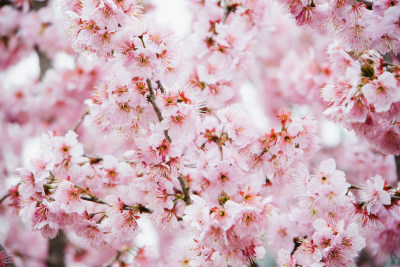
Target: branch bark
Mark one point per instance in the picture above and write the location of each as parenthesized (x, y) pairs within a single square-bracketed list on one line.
[(56, 257), (151, 99), (56, 246), (36, 5), (4, 198), (397, 160), (160, 87), (81, 119), (185, 189), (44, 62)]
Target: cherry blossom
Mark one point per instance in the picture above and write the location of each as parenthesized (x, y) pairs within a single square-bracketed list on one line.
[(135, 146)]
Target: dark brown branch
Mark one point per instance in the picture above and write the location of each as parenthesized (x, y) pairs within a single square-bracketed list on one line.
[(367, 3), (226, 13), (44, 62), (397, 160), (93, 159), (228, 8), (352, 187), (56, 257), (143, 209), (253, 263), (160, 87), (185, 189), (4, 198), (94, 199), (297, 243), (5, 3), (36, 5), (151, 99), (81, 119), (96, 159), (56, 246), (139, 207)]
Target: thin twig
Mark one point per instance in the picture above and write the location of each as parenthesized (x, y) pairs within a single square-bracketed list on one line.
[(227, 10), (82, 118), (297, 243), (160, 87), (367, 3), (4, 198), (114, 259), (93, 159), (96, 159), (151, 99), (397, 160), (352, 187), (185, 189), (95, 200), (141, 208)]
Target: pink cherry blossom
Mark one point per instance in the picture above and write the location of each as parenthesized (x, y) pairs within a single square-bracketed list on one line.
[(374, 194), (126, 143), (382, 92)]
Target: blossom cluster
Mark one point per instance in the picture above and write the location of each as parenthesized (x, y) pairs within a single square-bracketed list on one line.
[(359, 25), (22, 32), (364, 96), (228, 32), (151, 159), (339, 221)]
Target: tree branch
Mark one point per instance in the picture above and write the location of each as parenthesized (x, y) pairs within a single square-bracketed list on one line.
[(160, 87), (95, 200), (114, 259), (397, 160), (139, 207), (36, 5), (253, 263), (56, 248), (297, 243), (44, 62), (82, 118), (4, 198), (185, 189), (367, 3), (93, 159), (151, 99)]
